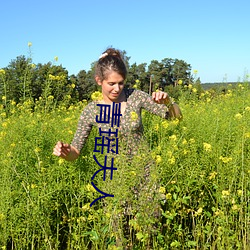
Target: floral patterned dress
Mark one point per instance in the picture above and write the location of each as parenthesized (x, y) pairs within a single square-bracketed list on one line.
[(142, 188), (130, 128)]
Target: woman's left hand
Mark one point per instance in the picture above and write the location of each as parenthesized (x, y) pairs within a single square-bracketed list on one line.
[(161, 97)]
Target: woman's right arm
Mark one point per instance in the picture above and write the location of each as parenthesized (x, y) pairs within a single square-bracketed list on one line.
[(70, 152)]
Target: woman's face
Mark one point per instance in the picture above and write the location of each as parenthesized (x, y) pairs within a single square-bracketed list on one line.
[(112, 86)]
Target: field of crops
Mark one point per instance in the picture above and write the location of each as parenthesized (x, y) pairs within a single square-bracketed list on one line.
[(202, 166)]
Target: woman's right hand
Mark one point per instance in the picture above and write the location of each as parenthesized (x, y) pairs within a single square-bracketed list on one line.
[(61, 149), (66, 151)]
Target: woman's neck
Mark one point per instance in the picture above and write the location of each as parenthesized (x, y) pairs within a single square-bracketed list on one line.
[(121, 98)]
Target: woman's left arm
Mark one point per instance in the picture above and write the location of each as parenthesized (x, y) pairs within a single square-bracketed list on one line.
[(163, 98)]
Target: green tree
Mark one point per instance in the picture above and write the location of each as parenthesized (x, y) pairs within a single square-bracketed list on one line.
[(86, 84), (168, 72), (181, 71), (138, 73), (52, 80), (18, 79), (74, 85), (154, 70)]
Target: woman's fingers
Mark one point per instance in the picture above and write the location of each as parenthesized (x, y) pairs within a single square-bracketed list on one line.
[(61, 149), (160, 97)]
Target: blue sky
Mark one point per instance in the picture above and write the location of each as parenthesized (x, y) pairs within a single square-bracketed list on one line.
[(212, 36)]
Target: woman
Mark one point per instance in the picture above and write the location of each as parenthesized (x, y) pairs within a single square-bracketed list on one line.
[(110, 74)]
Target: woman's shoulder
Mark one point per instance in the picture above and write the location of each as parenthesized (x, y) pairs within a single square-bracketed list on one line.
[(89, 108), (136, 93), (89, 105)]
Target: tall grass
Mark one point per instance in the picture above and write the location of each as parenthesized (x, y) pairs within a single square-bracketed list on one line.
[(201, 168)]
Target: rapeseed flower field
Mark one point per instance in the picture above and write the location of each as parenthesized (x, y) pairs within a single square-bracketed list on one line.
[(201, 164)]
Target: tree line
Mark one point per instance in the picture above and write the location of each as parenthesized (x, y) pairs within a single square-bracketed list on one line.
[(22, 79)]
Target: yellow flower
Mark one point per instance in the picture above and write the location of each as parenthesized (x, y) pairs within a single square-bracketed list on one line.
[(133, 173), (81, 219), (50, 97), (171, 160), (238, 116), (90, 188), (175, 122), (2, 72), (168, 196), (9, 154), (235, 207), (108, 215), (29, 44), (73, 85), (191, 140), (164, 124), (198, 212), (96, 96), (4, 124), (207, 147), (133, 116), (218, 212), (61, 161), (247, 108), (162, 190), (195, 71), (190, 86), (158, 159), (184, 141), (156, 127), (13, 103), (37, 149), (2, 217), (51, 77), (56, 58), (137, 81), (212, 175), (247, 135), (194, 90), (169, 153), (3, 97), (86, 207), (135, 86), (229, 93), (173, 137), (180, 82), (225, 193), (90, 217), (239, 192), (225, 159)]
